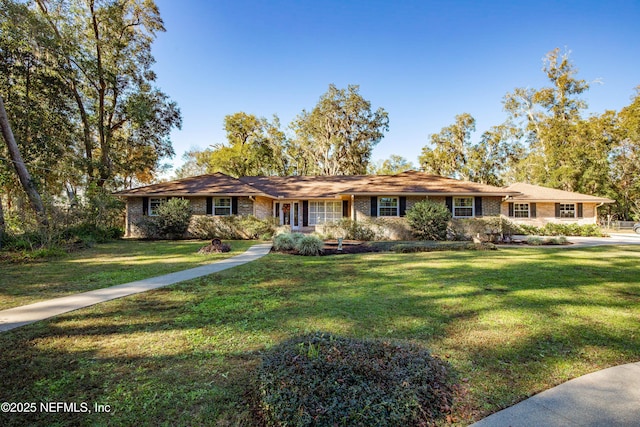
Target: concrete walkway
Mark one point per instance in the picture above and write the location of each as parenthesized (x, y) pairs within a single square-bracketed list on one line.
[(26, 314), (610, 397)]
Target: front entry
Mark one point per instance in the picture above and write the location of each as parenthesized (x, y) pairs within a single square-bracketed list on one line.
[(290, 214)]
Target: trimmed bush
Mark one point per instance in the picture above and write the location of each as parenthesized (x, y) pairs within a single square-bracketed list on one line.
[(231, 227), (309, 246), (429, 220), (327, 380)]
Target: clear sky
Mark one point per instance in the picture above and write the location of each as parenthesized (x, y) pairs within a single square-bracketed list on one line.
[(424, 62)]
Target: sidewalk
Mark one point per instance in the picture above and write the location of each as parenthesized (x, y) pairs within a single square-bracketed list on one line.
[(20, 316), (610, 397)]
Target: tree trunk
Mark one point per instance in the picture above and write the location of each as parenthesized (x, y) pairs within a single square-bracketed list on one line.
[(2, 227), (21, 169)]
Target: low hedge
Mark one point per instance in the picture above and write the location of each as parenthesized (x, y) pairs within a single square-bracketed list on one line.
[(326, 380)]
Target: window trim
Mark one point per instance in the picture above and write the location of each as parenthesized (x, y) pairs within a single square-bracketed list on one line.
[(397, 206), (454, 206), (516, 210), (154, 204), (313, 211), (575, 211), (215, 206)]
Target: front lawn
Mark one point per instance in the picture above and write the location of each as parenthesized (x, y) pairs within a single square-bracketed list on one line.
[(511, 323), (103, 265)]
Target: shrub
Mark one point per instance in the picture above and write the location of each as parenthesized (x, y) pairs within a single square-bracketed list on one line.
[(309, 246), (231, 227), (486, 229), (348, 229), (283, 242), (320, 379), (535, 241), (429, 220)]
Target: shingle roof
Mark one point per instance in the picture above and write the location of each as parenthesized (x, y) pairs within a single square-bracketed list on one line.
[(537, 193), (306, 187), (217, 183)]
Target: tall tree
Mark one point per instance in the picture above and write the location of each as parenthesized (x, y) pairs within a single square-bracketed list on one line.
[(448, 157), (339, 134), (625, 158), (549, 117), (21, 170), (254, 146), (393, 165), (453, 154), (103, 48)]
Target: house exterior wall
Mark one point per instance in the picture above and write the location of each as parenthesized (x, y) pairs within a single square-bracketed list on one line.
[(546, 212), (491, 206), (134, 214), (263, 208)]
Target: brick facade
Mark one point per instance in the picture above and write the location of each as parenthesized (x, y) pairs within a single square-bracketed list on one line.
[(546, 212)]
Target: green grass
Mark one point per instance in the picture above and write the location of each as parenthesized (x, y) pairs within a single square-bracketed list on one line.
[(101, 266), (511, 323)]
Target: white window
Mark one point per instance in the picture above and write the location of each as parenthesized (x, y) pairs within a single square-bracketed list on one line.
[(388, 206), (154, 204), (222, 206), (463, 207), (324, 212), (567, 210), (521, 210)]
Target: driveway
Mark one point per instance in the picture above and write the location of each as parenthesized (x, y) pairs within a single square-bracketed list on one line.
[(614, 239)]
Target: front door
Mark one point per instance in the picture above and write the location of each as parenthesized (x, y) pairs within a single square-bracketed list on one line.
[(290, 214)]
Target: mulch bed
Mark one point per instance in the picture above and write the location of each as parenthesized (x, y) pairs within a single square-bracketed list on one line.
[(348, 247)]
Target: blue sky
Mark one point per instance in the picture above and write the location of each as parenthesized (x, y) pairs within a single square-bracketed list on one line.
[(424, 62)]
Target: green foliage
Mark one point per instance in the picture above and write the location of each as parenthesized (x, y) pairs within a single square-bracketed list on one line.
[(302, 244), (560, 229), (485, 229), (322, 379), (348, 229), (393, 165), (429, 220), (338, 135), (233, 227), (309, 246), (283, 242), (172, 220)]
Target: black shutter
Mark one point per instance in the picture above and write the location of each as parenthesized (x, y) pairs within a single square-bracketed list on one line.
[(510, 209), (278, 210), (478, 203), (579, 210), (557, 210), (449, 203), (234, 206), (532, 210), (145, 206), (305, 213), (374, 206), (345, 209), (209, 205), (403, 206)]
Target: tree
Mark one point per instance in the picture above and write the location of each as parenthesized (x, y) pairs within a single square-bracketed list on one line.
[(448, 157), (103, 53), (21, 170), (624, 173), (254, 146), (338, 135), (393, 165), (549, 117), (428, 220)]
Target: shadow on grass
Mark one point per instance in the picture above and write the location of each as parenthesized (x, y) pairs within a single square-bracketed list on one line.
[(513, 322)]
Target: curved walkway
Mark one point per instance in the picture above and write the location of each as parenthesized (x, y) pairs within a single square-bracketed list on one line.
[(610, 397), (26, 314)]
